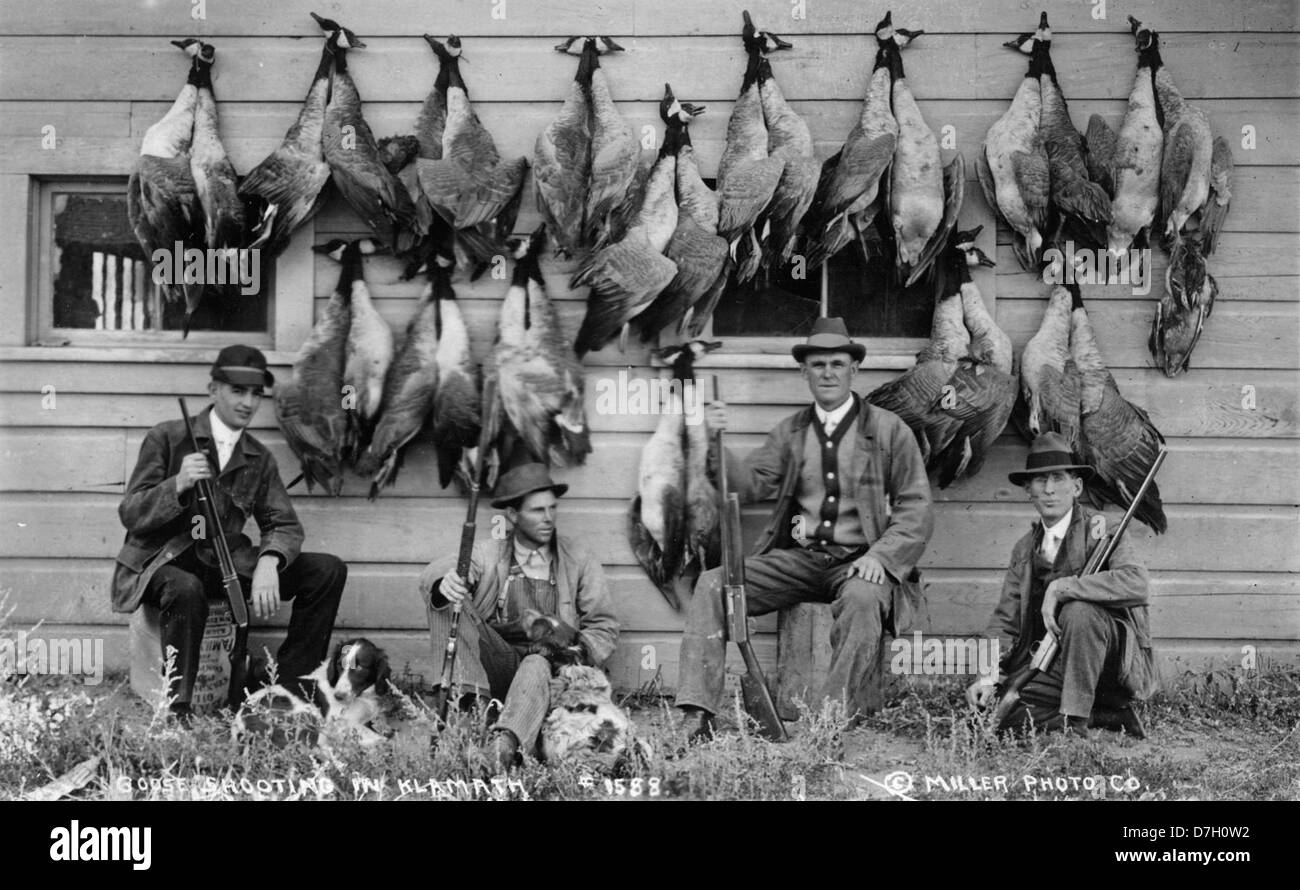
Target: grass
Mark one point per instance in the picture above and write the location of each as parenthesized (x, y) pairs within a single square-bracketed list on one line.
[(1215, 735)]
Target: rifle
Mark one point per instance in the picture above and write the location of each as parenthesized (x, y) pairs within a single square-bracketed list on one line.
[(1044, 650), (754, 691), (206, 492), (467, 533)]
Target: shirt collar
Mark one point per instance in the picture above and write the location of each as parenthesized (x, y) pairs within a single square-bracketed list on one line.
[(1060, 527), (220, 431), (836, 415), (523, 554)]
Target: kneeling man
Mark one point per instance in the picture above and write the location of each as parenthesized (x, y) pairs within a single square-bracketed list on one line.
[(1104, 659)]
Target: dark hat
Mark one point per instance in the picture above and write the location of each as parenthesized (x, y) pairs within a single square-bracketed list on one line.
[(523, 480), (829, 335), (242, 366), (1049, 453)]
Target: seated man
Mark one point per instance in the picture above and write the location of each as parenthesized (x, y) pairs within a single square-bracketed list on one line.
[(165, 563), (532, 568), (1104, 658), (852, 519)]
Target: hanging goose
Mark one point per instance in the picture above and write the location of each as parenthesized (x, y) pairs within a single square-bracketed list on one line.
[(457, 404), (1049, 379), (411, 382), (699, 253), (984, 388), (539, 379), (625, 277), (162, 199), (1013, 168), (215, 181), (369, 347), (309, 406), (1083, 205), (747, 175), (703, 543), (1187, 301), (846, 202), (1127, 164), (288, 187), (924, 196), (615, 151), (562, 158), (398, 155), (353, 155), (659, 529), (1117, 438), (1186, 160), (470, 186), (788, 137)]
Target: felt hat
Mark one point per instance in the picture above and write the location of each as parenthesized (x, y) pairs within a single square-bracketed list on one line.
[(1049, 453), (829, 335), (523, 480)]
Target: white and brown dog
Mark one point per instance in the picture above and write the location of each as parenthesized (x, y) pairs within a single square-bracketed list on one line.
[(585, 727)]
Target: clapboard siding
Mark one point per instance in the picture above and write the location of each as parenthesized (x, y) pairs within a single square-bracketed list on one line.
[(1226, 575)]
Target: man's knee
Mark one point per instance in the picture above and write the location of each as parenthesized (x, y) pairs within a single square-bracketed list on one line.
[(317, 575), (861, 598), (1076, 616), (185, 595), (706, 601), (535, 666)]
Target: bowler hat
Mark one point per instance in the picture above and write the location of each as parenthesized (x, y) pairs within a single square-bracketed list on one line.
[(523, 480), (242, 366), (1049, 453), (829, 335)]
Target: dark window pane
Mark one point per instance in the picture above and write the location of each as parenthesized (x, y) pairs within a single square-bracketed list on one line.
[(871, 303), (103, 280)]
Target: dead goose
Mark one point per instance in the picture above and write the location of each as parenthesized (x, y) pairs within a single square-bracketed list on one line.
[(627, 276), (470, 186), (1188, 300), (562, 159), (162, 198), (309, 406), (456, 405), (288, 187), (788, 137), (398, 155), (1117, 438), (846, 202), (1049, 379), (1013, 168), (539, 379), (350, 149), (615, 151)]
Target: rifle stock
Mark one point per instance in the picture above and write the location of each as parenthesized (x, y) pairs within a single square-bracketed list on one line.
[(1044, 651)]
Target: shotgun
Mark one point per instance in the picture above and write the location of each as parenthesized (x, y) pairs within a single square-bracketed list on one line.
[(467, 532), (1044, 650), (754, 691), (205, 490)]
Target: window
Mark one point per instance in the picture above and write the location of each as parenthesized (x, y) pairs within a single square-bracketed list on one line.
[(97, 287)]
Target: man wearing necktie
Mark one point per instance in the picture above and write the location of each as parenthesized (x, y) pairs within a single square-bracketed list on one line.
[(533, 567), (852, 518), (1104, 659), (164, 561)]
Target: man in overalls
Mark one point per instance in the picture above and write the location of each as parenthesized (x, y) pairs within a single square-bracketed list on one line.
[(533, 567)]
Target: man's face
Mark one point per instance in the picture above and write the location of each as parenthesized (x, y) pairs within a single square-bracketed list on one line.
[(830, 377), (534, 521), (1053, 494), (235, 403)]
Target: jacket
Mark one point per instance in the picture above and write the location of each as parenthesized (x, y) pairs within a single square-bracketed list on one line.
[(1122, 588), (583, 598), (893, 495), (159, 523)]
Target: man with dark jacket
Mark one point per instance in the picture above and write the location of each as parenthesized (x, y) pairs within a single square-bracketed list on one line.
[(852, 518), (1103, 660), (533, 567), (166, 561)]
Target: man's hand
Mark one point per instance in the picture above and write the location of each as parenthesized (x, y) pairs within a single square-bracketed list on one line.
[(982, 692), (266, 586), (454, 588), (193, 468), (1052, 602), (715, 416), (869, 568)]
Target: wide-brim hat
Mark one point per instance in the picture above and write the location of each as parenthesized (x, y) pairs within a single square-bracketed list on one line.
[(242, 366), (522, 481), (829, 335), (1049, 453)]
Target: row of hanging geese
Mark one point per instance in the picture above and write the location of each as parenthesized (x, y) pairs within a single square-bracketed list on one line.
[(1107, 191)]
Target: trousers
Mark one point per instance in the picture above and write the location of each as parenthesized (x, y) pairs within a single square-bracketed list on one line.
[(775, 580), (180, 591), (522, 682)]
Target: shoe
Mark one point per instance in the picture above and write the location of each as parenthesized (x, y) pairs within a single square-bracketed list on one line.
[(258, 675), (1077, 726), (1123, 719), (704, 731), (505, 750), (182, 714)]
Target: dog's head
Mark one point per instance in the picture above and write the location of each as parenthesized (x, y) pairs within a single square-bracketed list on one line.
[(355, 666), (550, 637)]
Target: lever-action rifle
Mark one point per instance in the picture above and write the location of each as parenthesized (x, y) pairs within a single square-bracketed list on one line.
[(754, 691), (467, 532), (1044, 650), (205, 490)]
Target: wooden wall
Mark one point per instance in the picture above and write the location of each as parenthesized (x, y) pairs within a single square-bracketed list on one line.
[(101, 71)]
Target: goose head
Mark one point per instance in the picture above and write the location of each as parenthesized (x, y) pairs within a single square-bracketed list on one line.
[(339, 36), (332, 248), (683, 112), (1144, 38), (761, 41), (444, 51), (965, 242), (681, 357)]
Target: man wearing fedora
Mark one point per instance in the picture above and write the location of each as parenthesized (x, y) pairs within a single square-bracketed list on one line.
[(163, 564), (532, 567), (1103, 660), (852, 518)]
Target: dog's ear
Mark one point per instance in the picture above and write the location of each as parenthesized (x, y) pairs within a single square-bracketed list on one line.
[(535, 624), (382, 672), (332, 669)]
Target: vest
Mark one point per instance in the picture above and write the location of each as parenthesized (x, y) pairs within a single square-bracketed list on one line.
[(828, 485)]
